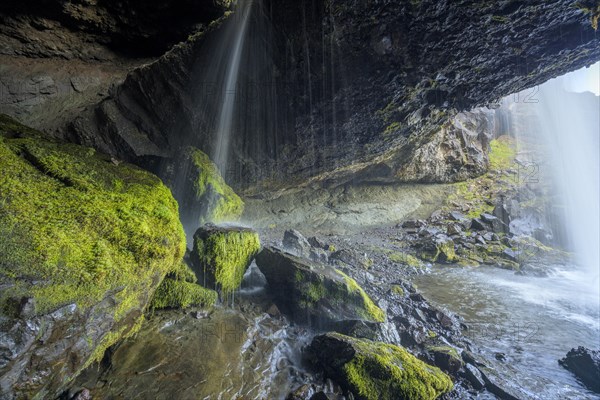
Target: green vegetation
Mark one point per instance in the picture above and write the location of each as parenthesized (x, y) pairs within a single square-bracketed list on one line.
[(80, 226), (221, 202), (380, 371), (407, 259), (225, 254), (180, 294), (371, 311), (502, 153), (478, 194), (398, 290)]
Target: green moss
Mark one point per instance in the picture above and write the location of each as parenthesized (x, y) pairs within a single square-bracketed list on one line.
[(407, 259), (331, 248), (380, 371), (179, 294), (398, 290), (221, 202), (502, 153), (372, 312), (80, 226), (225, 254), (182, 272)]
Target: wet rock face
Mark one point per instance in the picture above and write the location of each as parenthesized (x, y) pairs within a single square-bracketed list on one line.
[(378, 82), (585, 364), (313, 293)]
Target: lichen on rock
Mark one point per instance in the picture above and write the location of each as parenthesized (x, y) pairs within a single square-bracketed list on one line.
[(80, 233), (221, 255), (376, 371)]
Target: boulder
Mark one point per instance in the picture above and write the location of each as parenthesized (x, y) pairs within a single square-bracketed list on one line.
[(84, 243), (442, 249), (222, 254), (446, 358), (502, 214), (314, 293), (585, 365), (376, 371), (296, 243)]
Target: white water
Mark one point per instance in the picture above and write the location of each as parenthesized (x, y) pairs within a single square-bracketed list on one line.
[(566, 124), (228, 100)]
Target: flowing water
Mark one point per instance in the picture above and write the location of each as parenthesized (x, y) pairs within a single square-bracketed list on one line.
[(532, 321), (230, 86)]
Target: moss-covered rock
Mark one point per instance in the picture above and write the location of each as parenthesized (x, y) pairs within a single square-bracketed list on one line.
[(180, 294), (84, 243), (314, 293), (376, 371), (221, 255), (219, 201)]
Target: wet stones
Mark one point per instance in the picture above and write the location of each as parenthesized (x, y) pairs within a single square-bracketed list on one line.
[(585, 365)]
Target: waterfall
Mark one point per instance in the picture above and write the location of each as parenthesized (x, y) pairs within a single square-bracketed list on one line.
[(228, 100), (567, 125)]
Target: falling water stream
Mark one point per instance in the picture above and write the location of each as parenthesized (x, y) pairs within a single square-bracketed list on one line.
[(230, 88)]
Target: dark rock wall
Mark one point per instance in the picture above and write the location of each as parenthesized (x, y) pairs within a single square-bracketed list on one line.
[(332, 91)]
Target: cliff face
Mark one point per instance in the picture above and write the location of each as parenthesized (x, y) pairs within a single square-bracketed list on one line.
[(330, 91)]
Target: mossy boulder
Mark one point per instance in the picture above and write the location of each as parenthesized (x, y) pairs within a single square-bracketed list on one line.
[(221, 255), (376, 371), (314, 293), (84, 243), (218, 201)]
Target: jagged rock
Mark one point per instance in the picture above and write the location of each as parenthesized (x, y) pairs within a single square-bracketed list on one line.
[(496, 224), (453, 229), (478, 225), (499, 386), (502, 214), (318, 243), (585, 365), (296, 243), (222, 254), (457, 216), (314, 293), (374, 370), (473, 375), (84, 245)]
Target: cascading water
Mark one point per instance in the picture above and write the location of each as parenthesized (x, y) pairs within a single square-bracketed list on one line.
[(566, 127), (228, 100)]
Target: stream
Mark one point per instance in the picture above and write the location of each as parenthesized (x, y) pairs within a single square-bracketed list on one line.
[(528, 322)]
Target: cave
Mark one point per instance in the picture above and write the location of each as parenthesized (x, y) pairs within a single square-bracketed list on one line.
[(299, 200)]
